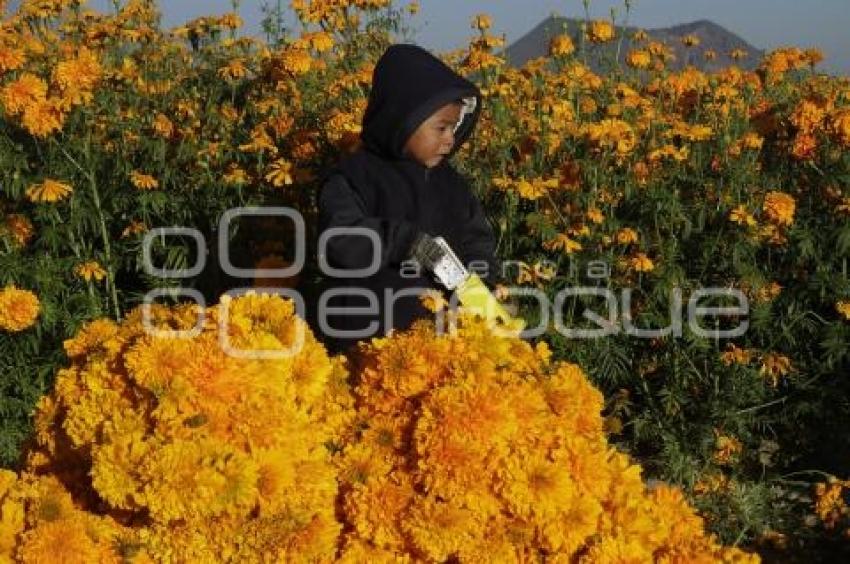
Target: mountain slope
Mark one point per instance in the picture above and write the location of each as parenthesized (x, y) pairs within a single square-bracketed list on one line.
[(712, 36)]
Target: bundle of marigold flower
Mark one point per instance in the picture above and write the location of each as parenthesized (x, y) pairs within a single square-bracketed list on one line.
[(473, 447), (171, 449)]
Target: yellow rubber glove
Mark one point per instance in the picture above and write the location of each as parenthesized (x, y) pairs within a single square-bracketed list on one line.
[(477, 298)]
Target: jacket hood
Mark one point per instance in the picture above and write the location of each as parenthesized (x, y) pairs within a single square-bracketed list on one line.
[(408, 85)]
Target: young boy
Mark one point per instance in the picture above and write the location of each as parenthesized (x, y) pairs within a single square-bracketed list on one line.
[(400, 186)]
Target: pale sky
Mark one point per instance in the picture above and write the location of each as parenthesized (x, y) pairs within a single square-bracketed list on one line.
[(444, 24)]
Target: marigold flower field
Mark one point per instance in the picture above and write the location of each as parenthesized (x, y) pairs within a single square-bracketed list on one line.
[(119, 445)]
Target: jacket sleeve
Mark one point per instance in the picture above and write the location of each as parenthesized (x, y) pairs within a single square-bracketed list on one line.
[(479, 243), (340, 206)]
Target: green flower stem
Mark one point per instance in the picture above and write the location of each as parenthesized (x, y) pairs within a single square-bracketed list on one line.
[(107, 247)]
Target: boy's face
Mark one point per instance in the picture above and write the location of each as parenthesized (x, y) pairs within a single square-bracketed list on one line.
[(434, 138)]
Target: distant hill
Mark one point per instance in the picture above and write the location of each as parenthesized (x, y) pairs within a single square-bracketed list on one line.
[(712, 36)]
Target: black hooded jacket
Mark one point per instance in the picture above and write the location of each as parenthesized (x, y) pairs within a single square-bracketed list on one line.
[(382, 190)]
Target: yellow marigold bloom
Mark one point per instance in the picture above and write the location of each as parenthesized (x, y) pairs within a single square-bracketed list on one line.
[(319, 41), (774, 366), (829, 502), (296, 61), (840, 127), (736, 355), (768, 292), (433, 300), (710, 55), (690, 40), (626, 236), (11, 58), (135, 227), (600, 31), (640, 35), (613, 134), (563, 243), (538, 273), (203, 444), (64, 540), (639, 59), (726, 448), (18, 309), (143, 181), (738, 54), (233, 70), (43, 117), (752, 141), (482, 22), (843, 307), (230, 20), (48, 191), (535, 188), (641, 263), (779, 208), (561, 46), (280, 173), (19, 227), (22, 92), (235, 175), (808, 115), (90, 270), (100, 334), (163, 126), (413, 8), (78, 77), (595, 215), (741, 216)]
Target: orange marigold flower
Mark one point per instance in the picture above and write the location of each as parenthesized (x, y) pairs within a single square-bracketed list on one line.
[(774, 366), (779, 208), (296, 61), (19, 227), (433, 300), (235, 175), (626, 236), (43, 117), (829, 502), (639, 59), (482, 22), (48, 191), (840, 126), (233, 70), (11, 58), (726, 448), (595, 215), (143, 181), (563, 243), (690, 40), (738, 54), (134, 228), (280, 173), (19, 94), (163, 126), (600, 31), (561, 46), (741, 216), (843, 307), (613, 134), (90, 270), (641, 263), (736, 355), (640, 35), (18, 309)]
